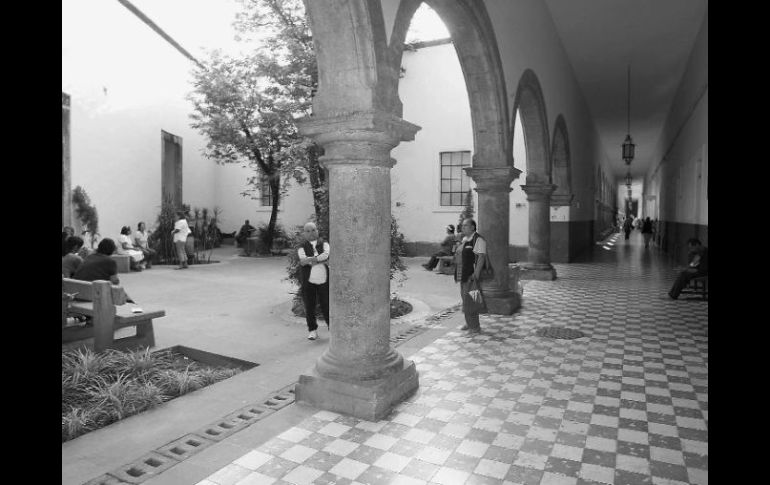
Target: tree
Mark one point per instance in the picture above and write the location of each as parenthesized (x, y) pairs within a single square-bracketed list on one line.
[(468, 210), (245, 118), (86, 213), (247, 106)]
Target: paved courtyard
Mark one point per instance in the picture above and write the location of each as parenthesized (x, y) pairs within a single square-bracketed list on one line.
[(625, 404)]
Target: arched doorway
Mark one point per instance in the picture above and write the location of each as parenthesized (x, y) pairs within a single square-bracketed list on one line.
[(561, 199), (530, 103)]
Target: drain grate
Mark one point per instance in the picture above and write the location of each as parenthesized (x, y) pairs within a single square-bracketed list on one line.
[(144, 468), (559, 333), (185, 447), (105, 480)]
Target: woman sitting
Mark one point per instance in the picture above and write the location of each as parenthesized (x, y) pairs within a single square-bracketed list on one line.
[(127, 247), (70, 262), (140, 242)]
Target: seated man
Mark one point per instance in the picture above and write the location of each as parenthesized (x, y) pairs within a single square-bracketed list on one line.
[(698, 266), (447, 247), (244, 233)]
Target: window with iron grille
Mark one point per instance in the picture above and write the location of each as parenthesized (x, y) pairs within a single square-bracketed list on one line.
[(265, 194), (455, 183)]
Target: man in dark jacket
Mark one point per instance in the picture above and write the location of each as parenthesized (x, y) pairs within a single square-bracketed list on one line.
[(698, 266)]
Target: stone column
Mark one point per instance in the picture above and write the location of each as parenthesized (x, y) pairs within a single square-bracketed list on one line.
[(359, 374), (66, 187), (493, 185), (538, 265)]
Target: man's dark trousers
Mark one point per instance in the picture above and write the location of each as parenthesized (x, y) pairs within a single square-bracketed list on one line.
[(311, 295), (681, 281)]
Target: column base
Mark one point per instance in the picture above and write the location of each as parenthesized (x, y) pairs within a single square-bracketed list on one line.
[(370, 400), (503, 304), (536, 271)]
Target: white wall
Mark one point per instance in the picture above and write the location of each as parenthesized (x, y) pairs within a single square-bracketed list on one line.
[(126, 85), (434, 97), (679, 177)]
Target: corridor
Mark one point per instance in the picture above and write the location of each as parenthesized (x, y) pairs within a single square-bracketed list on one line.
[(625, 404)]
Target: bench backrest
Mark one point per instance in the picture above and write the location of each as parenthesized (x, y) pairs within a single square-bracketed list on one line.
[(85, 290)]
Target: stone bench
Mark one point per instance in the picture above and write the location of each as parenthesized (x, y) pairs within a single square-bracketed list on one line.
[(123, 261), (105, 304)]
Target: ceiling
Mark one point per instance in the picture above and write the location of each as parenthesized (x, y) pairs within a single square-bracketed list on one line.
[(601, 38)]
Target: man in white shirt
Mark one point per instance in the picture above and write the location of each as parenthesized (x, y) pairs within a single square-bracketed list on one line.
[(314, 275), (181, 230)]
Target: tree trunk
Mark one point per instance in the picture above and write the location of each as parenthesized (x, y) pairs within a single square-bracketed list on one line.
[(319, 190), (275, 189)]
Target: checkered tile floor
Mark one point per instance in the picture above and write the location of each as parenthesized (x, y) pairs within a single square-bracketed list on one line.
[(627, 404)]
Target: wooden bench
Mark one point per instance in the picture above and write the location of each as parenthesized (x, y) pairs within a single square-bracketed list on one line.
[(446, 265), (105, 304), (698, 285)]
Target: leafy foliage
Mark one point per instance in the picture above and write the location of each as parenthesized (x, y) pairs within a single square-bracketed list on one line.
[(99, 389), (86, 213), (468, 210), (247, 106), (203, 224)]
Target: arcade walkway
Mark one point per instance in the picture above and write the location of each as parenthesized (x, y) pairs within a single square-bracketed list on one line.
[(625, 404)]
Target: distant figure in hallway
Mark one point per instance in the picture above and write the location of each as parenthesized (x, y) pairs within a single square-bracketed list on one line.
[(698, 266), (313, 256), (180, 232), (628, 225), (244, 233), (470, 258), (647, 232), (447, 248)]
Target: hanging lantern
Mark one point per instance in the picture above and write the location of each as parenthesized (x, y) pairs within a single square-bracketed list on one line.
[(628, 144)]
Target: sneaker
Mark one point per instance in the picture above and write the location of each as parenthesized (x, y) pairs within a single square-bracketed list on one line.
[(427, 267), (464, 327), (312, 335)]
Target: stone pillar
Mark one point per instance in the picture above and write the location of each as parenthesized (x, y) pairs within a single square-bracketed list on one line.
[(359, 374), (538, 266), (66, 184), (493, 185)]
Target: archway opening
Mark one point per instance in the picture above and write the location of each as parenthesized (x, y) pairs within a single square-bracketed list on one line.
[(429, 185), (518, 231)]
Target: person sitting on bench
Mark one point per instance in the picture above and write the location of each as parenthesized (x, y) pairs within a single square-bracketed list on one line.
[(100, 266), (244, 233), (136, 256), (698, 266), (71, 261), (447, 247)]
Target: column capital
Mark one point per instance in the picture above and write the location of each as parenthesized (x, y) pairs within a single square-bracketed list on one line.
[(493, 179), (358, 138), (561, 199), (538, 192)]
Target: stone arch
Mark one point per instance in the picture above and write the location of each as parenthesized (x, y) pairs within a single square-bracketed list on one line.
[(474, 40), (561, 164), (360, 80), (530, 102)]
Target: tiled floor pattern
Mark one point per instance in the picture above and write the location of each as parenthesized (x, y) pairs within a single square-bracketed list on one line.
[(627, 404)]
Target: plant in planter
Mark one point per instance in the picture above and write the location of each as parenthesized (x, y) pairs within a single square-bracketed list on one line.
[(162, 239), (87, 215), (205, 232)]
